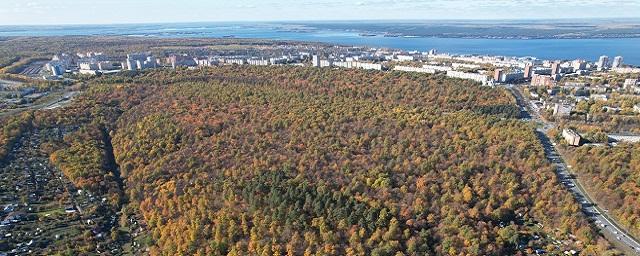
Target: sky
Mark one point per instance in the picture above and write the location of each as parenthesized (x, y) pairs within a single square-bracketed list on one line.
[(51, 12)]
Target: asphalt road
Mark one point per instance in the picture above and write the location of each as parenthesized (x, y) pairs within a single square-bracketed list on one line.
[(601, 218), (589, 206), (50, 104)]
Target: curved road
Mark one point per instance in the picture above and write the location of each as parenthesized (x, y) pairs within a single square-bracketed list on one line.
[(50, 104), (605, 223)]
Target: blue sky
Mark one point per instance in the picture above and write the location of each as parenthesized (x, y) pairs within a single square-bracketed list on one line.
[(14, 12)]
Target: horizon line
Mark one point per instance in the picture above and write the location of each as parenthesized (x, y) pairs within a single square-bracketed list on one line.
[(586, 20)]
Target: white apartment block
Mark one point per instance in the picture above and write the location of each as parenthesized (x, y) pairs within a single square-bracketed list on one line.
[(414, 69), (437, 68), (469, 76)]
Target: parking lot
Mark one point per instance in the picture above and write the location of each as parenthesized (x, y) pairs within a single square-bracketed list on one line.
[(34, 69)]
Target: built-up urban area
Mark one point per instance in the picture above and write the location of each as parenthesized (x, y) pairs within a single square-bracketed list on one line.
[(554, 88), (488, 70)]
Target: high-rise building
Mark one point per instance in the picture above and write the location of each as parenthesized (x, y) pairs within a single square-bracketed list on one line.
[(497, 75), (579, 65), (603, 62), (555, 68), (57, 69), (528, 71), (136, 61), (617, 62), (542, 80), (315, 61)]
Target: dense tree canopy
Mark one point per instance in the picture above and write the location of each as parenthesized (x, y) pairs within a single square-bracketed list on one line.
[(300, 161), (12, 128), (613, 176)]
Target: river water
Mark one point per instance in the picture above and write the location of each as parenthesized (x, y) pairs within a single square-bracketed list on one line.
[(553, 49)]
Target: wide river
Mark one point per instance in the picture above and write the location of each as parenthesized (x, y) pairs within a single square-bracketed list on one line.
[(565, 49)]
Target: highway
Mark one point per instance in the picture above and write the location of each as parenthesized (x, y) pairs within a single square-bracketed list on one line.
[(600, 217), (55, 102)]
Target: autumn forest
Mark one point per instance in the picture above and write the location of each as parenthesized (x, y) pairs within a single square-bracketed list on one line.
[(239, 160)]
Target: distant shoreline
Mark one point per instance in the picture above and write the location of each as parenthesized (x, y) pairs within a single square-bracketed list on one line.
[(513, 38), (446, 29), (560, 41), (363, 35)]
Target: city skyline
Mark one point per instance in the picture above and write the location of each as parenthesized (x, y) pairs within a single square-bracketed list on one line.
[(41, 12)]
